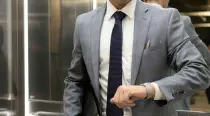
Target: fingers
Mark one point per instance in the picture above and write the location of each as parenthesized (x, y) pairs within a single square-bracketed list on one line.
[(130, 105), (125, 98), (133, 98), (117, 97), (123, 105), (122, 98)]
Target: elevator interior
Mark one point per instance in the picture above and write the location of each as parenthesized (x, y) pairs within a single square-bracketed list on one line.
[(50, 33), (51, 27)]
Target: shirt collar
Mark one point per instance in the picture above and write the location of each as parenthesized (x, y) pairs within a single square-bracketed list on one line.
[(129, 9)]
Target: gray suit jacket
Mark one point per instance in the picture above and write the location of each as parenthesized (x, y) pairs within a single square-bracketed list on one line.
[(194, 38), (202, 48), (170, 47)]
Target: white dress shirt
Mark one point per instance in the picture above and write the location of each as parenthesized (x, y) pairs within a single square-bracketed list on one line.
[(127, 48)]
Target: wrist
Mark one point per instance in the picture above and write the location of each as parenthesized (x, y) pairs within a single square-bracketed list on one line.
[(139, 93), (145, 92)]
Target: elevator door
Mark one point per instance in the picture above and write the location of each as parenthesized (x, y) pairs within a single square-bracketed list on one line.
[(51, 27)]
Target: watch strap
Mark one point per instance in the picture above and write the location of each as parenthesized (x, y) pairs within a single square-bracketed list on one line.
[(149, 89)]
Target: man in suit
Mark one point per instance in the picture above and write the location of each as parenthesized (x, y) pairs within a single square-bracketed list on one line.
[(193, 37), (128, 66)]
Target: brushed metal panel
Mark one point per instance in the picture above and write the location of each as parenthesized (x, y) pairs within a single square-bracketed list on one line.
[(51, 27), (8, 54)]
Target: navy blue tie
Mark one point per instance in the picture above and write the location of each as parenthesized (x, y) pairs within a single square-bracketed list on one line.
[(115, 64)]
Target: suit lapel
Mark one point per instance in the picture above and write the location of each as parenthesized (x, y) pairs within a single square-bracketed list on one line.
[(141, 26), (96, 24)]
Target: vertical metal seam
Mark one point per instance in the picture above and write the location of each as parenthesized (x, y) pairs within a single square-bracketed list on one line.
[(49, 53), (9, 48), (26, 59)]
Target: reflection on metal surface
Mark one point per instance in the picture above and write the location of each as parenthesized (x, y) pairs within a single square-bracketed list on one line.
[(46, 101), (9, 47), (5, 31), (202, 25), (54, 33), (205, 13), (2, 21), (9, 97), (192, 113), (26, 58), (48, 114), (3, 109), (38, 15), (51, 26), (50, 31), (47, 106), (38, 27), (7, 113)]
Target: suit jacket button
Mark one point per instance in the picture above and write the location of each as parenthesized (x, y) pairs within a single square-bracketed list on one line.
[(181, 92), (173, 95)]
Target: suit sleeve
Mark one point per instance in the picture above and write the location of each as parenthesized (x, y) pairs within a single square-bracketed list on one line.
[(192, 71), (194, 38), (76, 80)]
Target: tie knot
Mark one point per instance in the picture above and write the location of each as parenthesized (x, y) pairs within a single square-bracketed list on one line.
[(119, 15)]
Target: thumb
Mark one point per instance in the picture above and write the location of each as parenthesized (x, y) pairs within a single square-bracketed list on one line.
[(112, 101), (133, 98)]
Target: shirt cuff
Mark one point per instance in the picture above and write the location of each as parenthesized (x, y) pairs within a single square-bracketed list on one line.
[(158, 93)]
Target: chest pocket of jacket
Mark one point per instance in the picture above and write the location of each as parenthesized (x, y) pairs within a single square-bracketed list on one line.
[(153, 48)]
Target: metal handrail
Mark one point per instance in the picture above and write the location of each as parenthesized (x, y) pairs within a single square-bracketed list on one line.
[(45, 101), (192, 113), (3, 109), (201, 13), (6, 113), (3, 112), (8, 96), (42, 113)]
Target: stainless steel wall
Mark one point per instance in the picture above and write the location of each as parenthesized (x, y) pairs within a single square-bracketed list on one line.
[(8, 54), (50, 31), (51, 27)]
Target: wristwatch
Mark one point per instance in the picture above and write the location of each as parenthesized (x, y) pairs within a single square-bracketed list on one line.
[(150, 90)]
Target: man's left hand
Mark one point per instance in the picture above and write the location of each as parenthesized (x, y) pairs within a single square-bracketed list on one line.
[(126, 95)]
